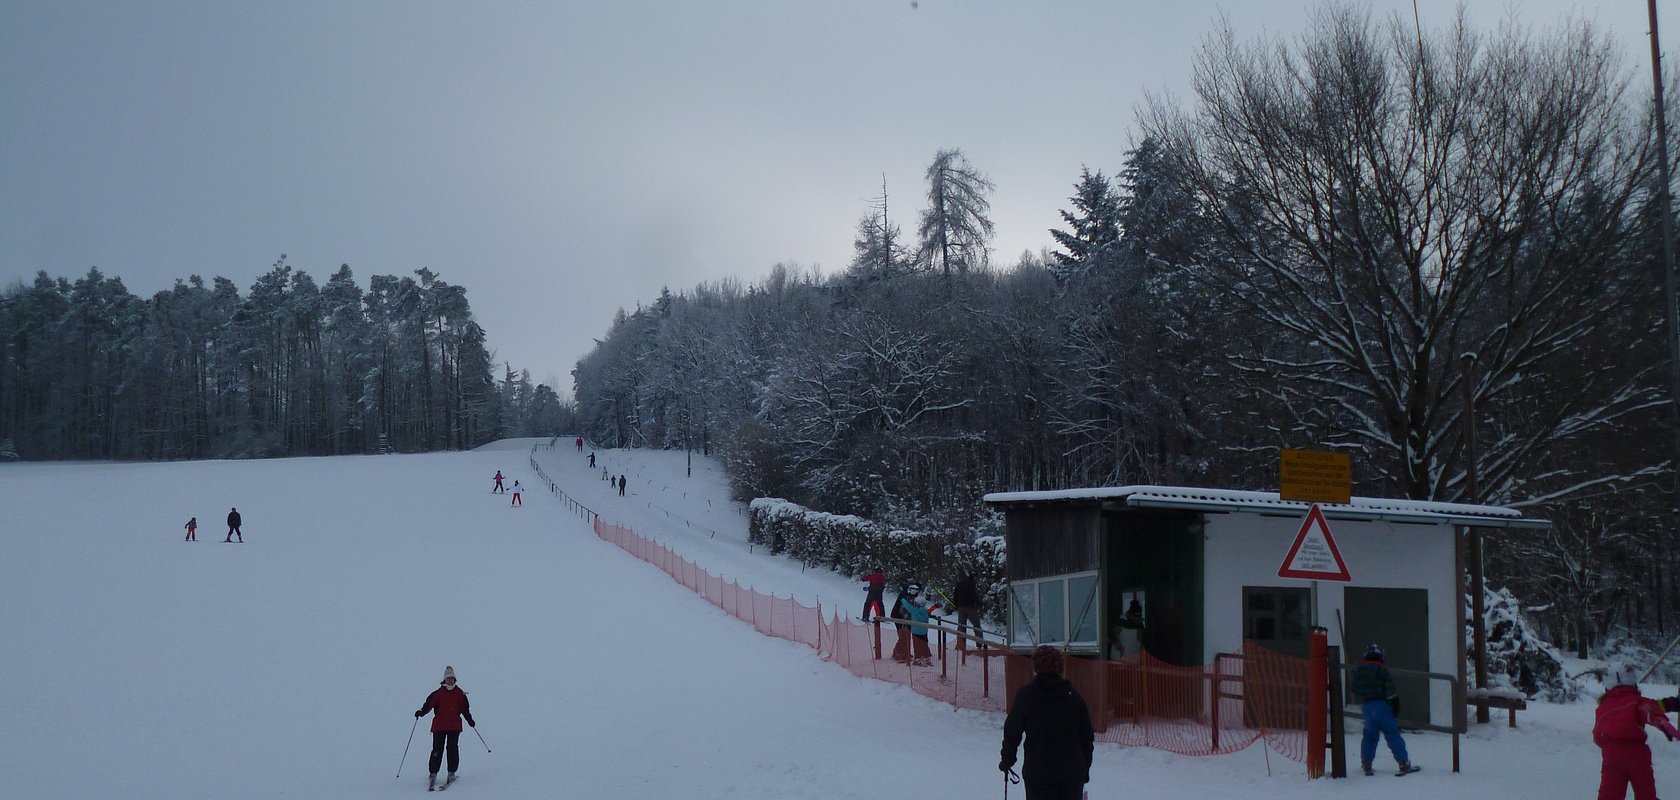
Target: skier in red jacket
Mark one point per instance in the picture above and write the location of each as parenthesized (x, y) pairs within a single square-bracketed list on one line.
[(1619, 731), (873, 606), (448, 704)]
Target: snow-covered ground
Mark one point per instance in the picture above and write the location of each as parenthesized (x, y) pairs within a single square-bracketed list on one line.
[(141, 666)]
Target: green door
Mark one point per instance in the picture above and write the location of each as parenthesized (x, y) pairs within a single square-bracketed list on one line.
[(1397, 619)]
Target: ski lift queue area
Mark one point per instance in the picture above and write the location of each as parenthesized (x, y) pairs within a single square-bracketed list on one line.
[(1188, 573)]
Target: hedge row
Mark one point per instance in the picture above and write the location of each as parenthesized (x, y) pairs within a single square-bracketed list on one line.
[(852, 546)]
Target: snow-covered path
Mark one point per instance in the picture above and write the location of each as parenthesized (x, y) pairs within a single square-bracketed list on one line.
[(140, 666)]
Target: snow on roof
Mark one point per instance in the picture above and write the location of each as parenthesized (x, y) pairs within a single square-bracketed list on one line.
[(1227, 500)]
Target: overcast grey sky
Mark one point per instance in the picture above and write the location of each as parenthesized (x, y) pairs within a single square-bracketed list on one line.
[(563, 159)]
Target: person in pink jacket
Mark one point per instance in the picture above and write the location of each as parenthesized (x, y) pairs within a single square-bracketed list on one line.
[(1619, 731)]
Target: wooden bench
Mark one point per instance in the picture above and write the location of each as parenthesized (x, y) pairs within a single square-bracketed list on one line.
[(1509, 699)]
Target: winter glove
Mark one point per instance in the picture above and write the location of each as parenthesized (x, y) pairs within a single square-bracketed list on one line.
[(420, 713), (1003, 766), (470, 723)]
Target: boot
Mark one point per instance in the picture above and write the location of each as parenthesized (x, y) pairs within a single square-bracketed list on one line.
[(431, 780), (1365, 767)]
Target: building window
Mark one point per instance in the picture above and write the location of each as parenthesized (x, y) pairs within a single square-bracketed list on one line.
[(1061, 610)]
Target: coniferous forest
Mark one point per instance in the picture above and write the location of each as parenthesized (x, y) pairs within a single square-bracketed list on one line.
[(90, 371), (1437, 251)]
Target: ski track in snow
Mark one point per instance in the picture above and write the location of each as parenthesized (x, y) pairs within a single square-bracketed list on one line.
[(140, 666)]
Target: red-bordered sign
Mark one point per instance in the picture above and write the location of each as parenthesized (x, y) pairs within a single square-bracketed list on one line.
[(1314, 555)]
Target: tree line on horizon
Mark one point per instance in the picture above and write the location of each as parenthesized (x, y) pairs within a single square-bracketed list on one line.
[(291, 368), (1436, 251)]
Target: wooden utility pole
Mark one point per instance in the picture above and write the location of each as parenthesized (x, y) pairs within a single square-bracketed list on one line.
[(1666, 224)]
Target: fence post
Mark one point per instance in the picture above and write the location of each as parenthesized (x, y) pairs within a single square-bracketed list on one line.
[(1338, 738), (985, 669), (877, 640), (1318, 693), (1218, 689)]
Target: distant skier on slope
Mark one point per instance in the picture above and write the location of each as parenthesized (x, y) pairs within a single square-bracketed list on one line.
[(192, 529), (1619, 731), (591, 460), (500, 489), (516, 490), (234, 521), (621, 484), (448, 704)]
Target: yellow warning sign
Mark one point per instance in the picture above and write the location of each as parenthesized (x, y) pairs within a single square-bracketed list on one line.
[(1314, 476)]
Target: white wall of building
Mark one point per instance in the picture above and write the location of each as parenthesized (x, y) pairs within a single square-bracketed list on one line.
[(1246, 549)]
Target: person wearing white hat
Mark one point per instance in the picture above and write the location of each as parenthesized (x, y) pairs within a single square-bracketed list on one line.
[(1619, 731), (448, 704)]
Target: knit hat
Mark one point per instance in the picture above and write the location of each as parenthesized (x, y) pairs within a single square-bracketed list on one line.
[(1374, 653), (1626, 675), (448, 672), (1047, 659)]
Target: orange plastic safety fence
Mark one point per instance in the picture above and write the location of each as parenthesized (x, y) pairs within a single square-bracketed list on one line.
[(1139, 700)]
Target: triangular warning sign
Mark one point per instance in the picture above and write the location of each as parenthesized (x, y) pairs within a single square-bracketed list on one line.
[(1314, 556)]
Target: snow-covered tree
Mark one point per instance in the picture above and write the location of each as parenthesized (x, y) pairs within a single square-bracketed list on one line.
[(955, 226)]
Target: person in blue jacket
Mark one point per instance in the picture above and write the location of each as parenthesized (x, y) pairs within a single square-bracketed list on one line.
[(912, 645), (1373, 684)]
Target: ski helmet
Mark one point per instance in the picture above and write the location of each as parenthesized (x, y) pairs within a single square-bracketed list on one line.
[(1626, 675)]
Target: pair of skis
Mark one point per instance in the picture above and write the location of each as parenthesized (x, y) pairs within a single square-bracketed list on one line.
[(440, 787), (1410, 768)]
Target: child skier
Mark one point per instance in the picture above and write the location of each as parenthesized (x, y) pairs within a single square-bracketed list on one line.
[(192, 529), (500, 489), (516, 490), (873, 605), (912, 645), (1619, 731), (448, 704), (1374, 686)]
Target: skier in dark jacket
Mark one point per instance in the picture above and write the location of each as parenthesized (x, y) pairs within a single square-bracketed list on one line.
[(967, 599), (1057, 725), (233, 527), (448, 704), (1374, 686)]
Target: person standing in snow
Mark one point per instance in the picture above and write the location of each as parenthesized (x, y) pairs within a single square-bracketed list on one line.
[(1057, 725), (448, 704), (234, 521), (500, 489), (873, 604), (516, 490), (1619, 731), (1373, 684), (967, 599), (591, 460), (912, 646), (621, 486), (580, 444), (192, 529)]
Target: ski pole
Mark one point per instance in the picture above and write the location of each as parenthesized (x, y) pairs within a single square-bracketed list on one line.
[(481, 740), (406, 746), (1008, 778)]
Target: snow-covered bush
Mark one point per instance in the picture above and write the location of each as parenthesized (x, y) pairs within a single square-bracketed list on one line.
[(1517, 656), (852, 546), (8, 451)]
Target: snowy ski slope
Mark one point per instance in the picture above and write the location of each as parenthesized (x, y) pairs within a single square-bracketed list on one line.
[(140, 666)]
